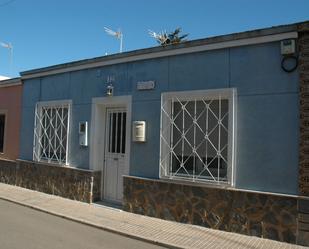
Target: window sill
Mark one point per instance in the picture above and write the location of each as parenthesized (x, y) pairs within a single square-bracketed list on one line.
[(214, 186), (199, 183), (45, 163)]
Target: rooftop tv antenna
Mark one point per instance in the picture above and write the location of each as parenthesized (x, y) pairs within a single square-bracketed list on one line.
[(118, 34), (9, 46), (166, 38), (160, 37)]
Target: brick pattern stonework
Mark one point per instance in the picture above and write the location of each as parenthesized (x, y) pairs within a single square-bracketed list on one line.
[(303, 67), (258, 214), (7, 171), (303, 222), (72, 183)]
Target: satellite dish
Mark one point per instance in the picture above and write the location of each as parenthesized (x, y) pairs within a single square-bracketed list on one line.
[(117, 34)]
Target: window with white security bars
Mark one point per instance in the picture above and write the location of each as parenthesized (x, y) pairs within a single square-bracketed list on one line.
[(51, 132), (197, 136)]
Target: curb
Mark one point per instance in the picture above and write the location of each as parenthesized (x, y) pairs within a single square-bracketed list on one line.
[(84, 222)]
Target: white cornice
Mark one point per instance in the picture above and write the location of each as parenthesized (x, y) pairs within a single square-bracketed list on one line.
[(172, 52)]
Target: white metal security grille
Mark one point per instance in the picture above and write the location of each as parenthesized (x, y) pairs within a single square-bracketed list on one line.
[(116, 130), (197, 135), (51, 132)]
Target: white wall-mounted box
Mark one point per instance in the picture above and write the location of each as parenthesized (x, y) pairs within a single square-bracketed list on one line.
[(288, 47), (139, 131), (83, 133)]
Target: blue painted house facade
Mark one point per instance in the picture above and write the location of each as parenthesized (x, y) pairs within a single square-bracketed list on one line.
[(205, 122)]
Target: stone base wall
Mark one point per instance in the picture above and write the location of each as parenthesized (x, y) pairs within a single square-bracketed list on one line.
[(303, 222), (263, 215), (72, 183), (303, 47), (303, 68), (7, 171)]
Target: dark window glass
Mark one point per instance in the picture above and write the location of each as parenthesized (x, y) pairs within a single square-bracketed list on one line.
[(2, 124), (205, 162), (119, 122), (114, 133), (53, 133), (109, 134), (123, 144), (117, 132)]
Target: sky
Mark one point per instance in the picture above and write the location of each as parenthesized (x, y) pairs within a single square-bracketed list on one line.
[(49, 32)]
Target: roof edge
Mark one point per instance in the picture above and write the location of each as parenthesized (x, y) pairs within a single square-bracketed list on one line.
[(11, 82), (159, 49)]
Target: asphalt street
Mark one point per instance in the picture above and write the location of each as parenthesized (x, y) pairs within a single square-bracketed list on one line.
[(26, 228)]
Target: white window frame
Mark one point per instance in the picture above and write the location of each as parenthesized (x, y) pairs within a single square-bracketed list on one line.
[(38, 130), (167, 121)]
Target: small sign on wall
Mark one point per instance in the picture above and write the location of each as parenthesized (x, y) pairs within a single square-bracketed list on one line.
[(145, 85)]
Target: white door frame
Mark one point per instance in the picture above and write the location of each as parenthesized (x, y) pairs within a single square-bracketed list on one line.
[(98, 128)]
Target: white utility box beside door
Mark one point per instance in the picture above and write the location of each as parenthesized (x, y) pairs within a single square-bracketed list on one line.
[(139, 131)]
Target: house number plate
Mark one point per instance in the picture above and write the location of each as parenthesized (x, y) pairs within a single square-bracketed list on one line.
[(145, 85)]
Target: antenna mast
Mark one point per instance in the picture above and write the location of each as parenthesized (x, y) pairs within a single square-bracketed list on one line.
[(117, 34), (9, 46)]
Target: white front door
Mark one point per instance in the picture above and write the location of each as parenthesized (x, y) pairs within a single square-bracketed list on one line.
[(115, 154)]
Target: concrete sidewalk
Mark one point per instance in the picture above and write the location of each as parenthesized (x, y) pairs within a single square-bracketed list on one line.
[(161, 232)]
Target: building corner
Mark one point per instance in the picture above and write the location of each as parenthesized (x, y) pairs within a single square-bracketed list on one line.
[(303, 180)]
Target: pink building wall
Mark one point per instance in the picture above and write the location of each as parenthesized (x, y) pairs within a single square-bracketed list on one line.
[(10, 105)]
